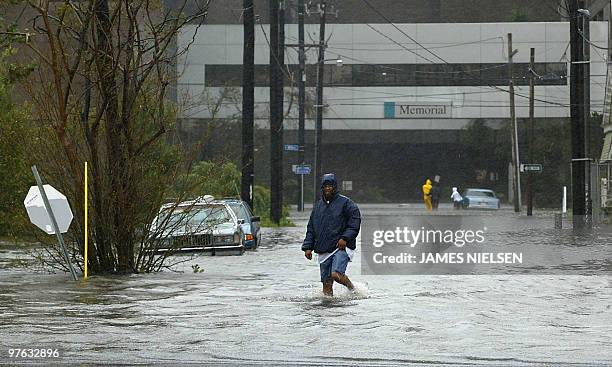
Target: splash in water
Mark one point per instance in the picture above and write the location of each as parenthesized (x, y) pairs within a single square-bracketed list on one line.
[(341, 293)]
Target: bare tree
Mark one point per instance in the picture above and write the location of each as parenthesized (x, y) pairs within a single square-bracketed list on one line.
[(100, 95)]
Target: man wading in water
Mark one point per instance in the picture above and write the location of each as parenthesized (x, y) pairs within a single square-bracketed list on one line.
[(332, 229)]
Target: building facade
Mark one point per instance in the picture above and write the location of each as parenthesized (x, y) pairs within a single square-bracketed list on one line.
[(396, 102)]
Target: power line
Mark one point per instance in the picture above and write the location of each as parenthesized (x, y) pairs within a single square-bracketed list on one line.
[(416, 71), (565, 16), (338, 117), (431, 47), (285, 70), (367, 2), (385, 66), (591, 43), (399, 44)]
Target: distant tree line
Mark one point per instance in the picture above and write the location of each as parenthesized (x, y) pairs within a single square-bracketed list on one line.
[(488, 150)]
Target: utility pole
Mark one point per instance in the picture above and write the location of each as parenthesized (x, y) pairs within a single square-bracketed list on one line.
[(248, 103), (276, 115), (318, 165), (577, 118), (281, 108), (301, 98), (530, 176), (516, 186), (586, 52)]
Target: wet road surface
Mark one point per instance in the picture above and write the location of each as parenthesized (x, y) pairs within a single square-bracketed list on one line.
[(266, 307)]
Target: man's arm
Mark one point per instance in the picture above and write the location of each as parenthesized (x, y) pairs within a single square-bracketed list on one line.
[(309, 241), (353, 222)]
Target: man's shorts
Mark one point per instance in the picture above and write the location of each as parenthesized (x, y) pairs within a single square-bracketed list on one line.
[(335, 263)]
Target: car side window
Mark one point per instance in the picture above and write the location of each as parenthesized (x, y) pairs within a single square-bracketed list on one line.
[(240, 211), (217, 215), (248, 210)]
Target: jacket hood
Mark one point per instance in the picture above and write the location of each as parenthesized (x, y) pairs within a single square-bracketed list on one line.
[(428, 182), (454, 189), (329, 178)]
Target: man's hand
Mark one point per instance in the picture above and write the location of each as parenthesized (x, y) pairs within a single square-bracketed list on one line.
[(341, 244), (308, 254)]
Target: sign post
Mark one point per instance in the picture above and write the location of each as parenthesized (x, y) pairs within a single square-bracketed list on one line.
[(86, 233), (47, 221), (299, 149), (301, 169)]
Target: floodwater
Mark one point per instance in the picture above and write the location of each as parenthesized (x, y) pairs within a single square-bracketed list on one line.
[(266, 307)]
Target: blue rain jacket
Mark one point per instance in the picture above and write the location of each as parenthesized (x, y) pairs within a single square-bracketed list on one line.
[(332, 220)]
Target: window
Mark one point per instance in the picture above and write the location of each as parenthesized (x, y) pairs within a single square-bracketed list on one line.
[(223, 75), (199, 218), (400, 75), (495, 74), (240, 211)]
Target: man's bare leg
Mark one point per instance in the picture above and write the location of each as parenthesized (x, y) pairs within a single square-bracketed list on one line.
[(328, 287), (342, 279)]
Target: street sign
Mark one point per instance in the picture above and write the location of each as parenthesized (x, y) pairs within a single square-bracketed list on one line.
[(301, 169), (536, 168), (35, 207), (292, 147)]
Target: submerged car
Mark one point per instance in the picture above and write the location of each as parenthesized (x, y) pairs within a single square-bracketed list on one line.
[(481, 199), (203, 224), (249, 223)]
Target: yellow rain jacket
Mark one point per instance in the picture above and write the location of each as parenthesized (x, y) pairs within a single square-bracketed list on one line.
[(426, 196)]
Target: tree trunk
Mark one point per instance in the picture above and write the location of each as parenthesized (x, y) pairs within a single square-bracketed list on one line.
[(117, 171)]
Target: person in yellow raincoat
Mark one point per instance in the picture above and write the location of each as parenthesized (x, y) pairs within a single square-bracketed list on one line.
[(427, 194)]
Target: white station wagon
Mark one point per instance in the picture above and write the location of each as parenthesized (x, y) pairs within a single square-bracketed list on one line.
[(202, 224)]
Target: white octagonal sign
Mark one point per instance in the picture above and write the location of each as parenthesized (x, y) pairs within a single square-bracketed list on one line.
[(38, 214)]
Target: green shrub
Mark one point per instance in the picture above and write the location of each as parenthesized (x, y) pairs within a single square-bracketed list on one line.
[(261, 207), (15, 141), (219, 180), (223, 180)]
